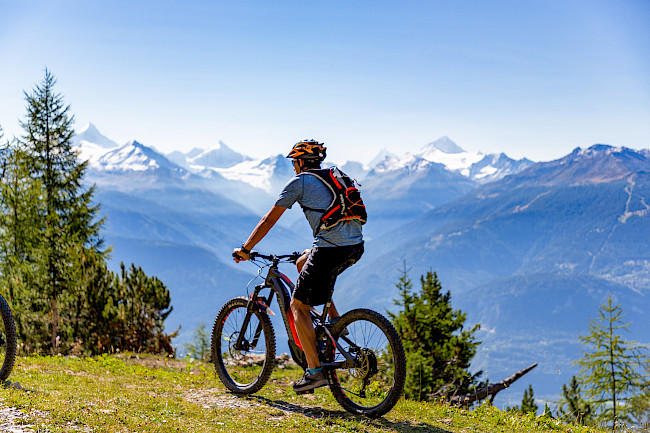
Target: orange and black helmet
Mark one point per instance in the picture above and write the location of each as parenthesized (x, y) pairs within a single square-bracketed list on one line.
[(308, 149)]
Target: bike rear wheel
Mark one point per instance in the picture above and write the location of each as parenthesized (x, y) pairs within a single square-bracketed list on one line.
[(376, 382), (243, 370), (7, 340)]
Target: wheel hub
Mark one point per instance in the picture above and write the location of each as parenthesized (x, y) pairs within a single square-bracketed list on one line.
[(236, 352), (366, 364)]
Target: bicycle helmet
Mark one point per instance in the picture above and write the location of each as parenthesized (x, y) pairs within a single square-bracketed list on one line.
[(308, 149)]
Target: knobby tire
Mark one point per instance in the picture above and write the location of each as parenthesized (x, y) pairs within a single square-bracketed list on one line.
[(8, 349), (234, 376), (385, 386)]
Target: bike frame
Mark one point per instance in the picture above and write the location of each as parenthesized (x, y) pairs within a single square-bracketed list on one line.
[(281, 287)]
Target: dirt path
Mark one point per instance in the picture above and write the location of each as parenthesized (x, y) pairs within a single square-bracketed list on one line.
[(10, 421)]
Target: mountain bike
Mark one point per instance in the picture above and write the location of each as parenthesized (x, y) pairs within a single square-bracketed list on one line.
[(7, 340), (361, 353)]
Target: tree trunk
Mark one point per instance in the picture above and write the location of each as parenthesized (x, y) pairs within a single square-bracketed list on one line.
[(490, 390)]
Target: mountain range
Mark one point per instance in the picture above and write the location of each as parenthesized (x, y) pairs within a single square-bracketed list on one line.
[(528, 250), (531, 257)]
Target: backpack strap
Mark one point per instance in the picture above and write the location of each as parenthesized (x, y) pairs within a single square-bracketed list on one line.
[(319, 177), (334, 195)]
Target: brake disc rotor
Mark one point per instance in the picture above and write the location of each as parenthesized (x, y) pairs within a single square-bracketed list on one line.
[(366, 364), (232, 341)]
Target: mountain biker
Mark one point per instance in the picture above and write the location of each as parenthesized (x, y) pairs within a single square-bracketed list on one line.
[(333, 251)]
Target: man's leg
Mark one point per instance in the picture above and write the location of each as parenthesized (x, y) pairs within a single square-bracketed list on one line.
[(333, 313), (306, 333)]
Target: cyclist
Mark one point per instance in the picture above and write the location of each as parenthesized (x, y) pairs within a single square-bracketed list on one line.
[(333, 250)]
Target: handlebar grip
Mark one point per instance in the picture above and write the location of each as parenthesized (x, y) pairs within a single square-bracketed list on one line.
[(251, 255)]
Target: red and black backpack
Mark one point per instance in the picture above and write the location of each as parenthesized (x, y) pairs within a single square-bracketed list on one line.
[(347, 203)]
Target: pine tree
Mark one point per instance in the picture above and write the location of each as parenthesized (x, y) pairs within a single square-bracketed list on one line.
[(611, 368), (93, 314), (528, 404), (438, 350), (143, 304), (573, 408), (19, 240), (547, 411), (67, 219), (199, 348), (52, 267)]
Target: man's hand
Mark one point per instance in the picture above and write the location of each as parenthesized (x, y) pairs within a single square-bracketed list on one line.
[(239, 255)]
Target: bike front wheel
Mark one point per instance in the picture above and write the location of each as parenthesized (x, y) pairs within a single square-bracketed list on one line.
[(7, 340), (376, 382), (243, 369)]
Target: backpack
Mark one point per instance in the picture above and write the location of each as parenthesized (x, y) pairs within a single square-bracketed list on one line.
[(347, 203)]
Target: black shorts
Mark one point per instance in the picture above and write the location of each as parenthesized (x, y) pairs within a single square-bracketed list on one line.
[(316, 281)]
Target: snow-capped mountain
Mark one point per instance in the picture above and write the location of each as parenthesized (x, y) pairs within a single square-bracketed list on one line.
[(597, 164), (382, 155), (268, 174), (220, 156), (473, 165), (415, 182), (398, 188), (180, 158), (90, 134), (134, 156), (135, 166), (221, 163), (92, 144)]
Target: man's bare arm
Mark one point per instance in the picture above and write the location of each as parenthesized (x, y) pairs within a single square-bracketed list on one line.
[(258, 233)]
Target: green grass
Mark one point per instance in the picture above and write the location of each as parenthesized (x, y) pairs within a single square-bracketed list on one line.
[(152, 394)]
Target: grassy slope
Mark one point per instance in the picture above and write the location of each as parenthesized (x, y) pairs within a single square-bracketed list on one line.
[(148, 394)]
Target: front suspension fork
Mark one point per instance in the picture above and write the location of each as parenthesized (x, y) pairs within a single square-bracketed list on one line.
[(255, 303)]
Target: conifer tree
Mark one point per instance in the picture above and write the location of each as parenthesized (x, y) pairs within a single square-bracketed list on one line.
[(438, 350), (52, 267), (19, 215), (528, 404), (199, 348), (573, 408), (611, 368), (92, 312), (143, 304), (67, 219)]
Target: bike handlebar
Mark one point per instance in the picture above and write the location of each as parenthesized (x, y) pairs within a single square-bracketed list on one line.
[(291, 258)]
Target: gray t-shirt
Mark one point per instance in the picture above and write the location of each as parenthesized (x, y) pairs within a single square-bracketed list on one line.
[(311, 192)]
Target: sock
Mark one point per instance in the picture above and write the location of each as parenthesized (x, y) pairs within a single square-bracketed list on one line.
[(314, 370)]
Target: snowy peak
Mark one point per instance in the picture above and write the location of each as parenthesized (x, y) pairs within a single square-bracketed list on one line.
[(92, 144), (219, 156), (495, 166), (134, 156), (597, 164), (268, 174), (473, 165), (91, 134), (602, 163), (381, 156), (445, 145)]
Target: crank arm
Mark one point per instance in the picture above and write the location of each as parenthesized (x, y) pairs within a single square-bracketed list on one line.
[(348, 363)]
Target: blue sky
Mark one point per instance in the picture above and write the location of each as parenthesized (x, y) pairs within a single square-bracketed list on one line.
[(534, 78)]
